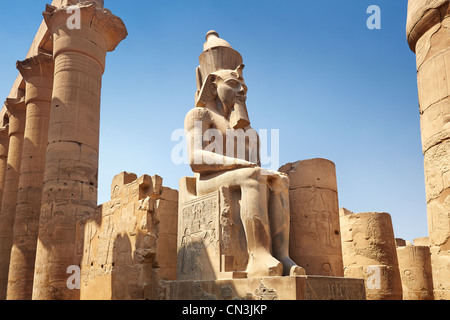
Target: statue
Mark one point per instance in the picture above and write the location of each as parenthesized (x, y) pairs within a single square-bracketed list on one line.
[(219, 118)]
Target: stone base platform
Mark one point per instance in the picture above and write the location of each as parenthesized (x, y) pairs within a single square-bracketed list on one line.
[(268, 288)]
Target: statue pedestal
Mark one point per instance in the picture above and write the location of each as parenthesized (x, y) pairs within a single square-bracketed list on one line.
[(267, 288)]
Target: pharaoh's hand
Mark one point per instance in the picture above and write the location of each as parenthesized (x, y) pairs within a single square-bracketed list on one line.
[(240, 163)]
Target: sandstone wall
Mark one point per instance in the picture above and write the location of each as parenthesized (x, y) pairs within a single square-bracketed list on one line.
[(131, 244)]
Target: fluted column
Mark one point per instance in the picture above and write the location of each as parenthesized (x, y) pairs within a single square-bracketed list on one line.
[(38, 75), (4, 145), (16, 109), (69, 193), (428, 36)]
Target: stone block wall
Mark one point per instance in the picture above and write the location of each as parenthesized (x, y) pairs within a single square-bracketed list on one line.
[(131, 243)]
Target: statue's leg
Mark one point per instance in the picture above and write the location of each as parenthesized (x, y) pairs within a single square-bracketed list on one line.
[(254, 215), (279, 217)]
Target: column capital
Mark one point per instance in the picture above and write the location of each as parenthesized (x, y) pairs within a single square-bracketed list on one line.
[(422, 16), (99, 30), (15, 107), (40, 65), (37, 71)]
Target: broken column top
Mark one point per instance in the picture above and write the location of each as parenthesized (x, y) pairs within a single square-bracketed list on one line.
[(400, 242), (423, 241), (152, 185), (317, 172), (63, 3)]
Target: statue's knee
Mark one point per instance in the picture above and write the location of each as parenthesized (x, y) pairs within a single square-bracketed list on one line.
[(284, 180), (251, 176)]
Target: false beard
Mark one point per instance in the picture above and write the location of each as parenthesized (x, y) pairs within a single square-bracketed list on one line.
[(239, 116)]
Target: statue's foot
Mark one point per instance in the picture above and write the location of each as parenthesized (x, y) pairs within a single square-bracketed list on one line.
[(264, 265), (290, 268)]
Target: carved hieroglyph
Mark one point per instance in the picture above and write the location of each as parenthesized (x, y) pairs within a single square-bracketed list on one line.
[(211, 241), (415, 271), (198, 244), (315, 238), (16, 110), (369, 252), (428, 28), (37, 72), (268, 288), (130, 243), (69, 195)]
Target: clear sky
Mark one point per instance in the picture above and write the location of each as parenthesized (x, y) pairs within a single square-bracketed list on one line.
[(333, 88)]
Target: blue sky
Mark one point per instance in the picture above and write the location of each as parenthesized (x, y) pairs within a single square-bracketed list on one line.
[(334, 89)]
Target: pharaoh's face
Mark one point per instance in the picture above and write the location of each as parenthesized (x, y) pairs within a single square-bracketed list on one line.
[(231, 90)]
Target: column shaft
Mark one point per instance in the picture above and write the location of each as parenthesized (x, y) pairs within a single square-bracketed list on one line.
[(69, 195), (428, 36), (369, 252), (415, 271), (4, 145), (38, 74), (315, 239), (16, 109)]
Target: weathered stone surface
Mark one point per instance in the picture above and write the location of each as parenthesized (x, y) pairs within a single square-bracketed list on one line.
[(130, 245), (259, 197), (16, 110), (268, 288), (4, 145), (428, 36), (422, 241), (38, 74), (211, 241), (369, 252), (415, 271), (69, 196), (422, 15), (315, 241), (440, 261)]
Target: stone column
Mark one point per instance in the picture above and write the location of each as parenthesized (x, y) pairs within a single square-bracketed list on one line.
[(415, 271), (16, 109), (428, 36), (69, 195), (315, 239), (4, 144), (38, 75), (369, 252)]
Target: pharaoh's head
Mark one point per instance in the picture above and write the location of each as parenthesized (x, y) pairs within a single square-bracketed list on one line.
[(220, 80), (227, 87)]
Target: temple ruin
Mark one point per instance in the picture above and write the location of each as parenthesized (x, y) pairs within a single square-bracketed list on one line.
[(232, 230)]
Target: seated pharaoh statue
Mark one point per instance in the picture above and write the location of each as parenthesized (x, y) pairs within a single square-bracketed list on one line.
[(233, 215)]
